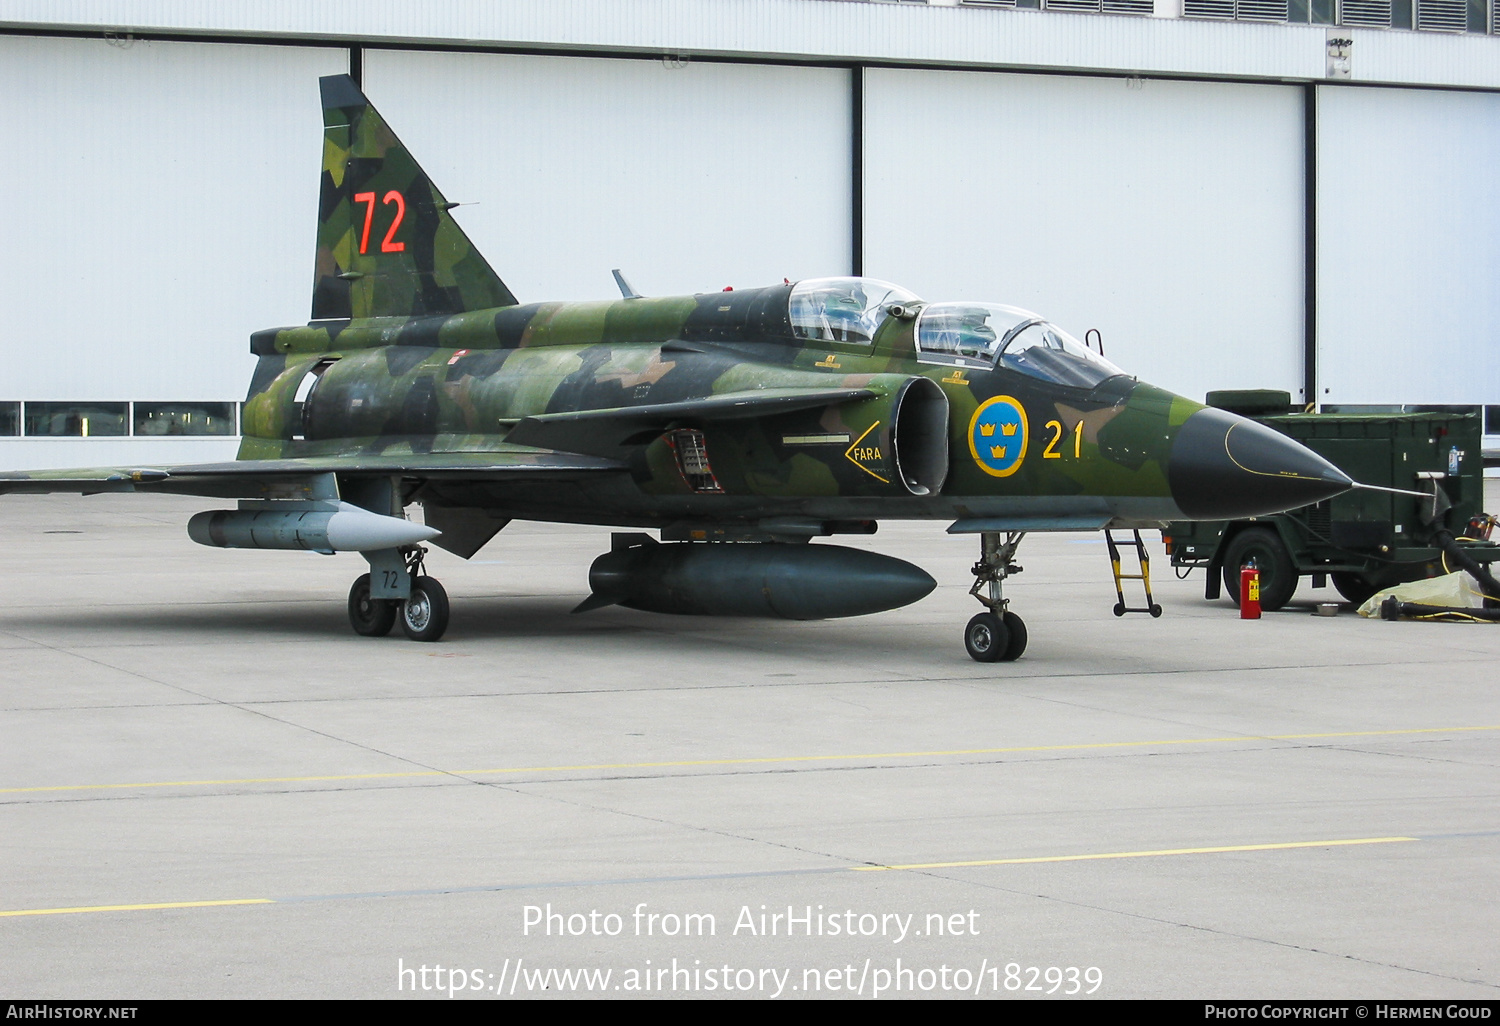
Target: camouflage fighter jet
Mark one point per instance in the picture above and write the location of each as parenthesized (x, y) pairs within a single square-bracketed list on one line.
[(739, 424)]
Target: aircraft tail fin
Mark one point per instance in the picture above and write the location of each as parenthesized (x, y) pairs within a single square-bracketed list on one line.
[(387, 246)]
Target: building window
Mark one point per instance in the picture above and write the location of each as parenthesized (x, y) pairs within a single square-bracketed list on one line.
[(1425, 15), (153, 419), (76, 420), (1100, 6), (1247, 10), (1261, 10), (114, 420), (1370, 13), (1443, 15)]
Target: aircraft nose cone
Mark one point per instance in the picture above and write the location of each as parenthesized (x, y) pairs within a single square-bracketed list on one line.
[(1223, 467)]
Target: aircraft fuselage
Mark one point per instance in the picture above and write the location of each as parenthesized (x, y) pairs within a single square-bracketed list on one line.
[(937, 435)]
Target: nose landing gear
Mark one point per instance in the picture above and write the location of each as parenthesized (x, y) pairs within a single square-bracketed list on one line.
[(997, 635), (396, 588)]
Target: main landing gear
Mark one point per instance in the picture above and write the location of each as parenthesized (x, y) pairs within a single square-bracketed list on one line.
[(997, 635), (396, 588)]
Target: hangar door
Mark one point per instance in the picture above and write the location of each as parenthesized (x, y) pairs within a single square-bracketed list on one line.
[(1408, 246), (1169, 215)]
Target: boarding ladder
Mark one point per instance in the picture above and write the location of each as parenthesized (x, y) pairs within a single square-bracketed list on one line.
[(1134, 542)]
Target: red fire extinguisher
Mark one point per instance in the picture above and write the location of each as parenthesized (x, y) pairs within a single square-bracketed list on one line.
[(1250, 591)]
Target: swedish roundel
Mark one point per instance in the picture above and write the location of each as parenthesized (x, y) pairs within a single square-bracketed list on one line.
[(997, 436)]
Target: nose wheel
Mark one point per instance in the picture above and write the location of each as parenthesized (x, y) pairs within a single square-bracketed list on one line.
[(996, 635), (396, 589)]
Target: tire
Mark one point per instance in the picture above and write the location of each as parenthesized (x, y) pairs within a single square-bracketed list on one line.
[(1278, 575), (987, 638), (1355, 588), (1017, 642), (370, 617), (424, 616)]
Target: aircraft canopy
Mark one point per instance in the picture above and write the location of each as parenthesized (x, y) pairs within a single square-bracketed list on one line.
[(988, 334), (843, 309)]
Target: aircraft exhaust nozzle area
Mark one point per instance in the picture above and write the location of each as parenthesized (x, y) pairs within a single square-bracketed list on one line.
[(1223, 467), (348, 528), (765, 579)]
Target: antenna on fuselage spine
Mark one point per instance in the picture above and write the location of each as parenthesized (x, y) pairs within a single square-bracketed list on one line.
[(625, 288)]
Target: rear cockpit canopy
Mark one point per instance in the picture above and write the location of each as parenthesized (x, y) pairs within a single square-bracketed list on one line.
[(988, 335), (849, 310)]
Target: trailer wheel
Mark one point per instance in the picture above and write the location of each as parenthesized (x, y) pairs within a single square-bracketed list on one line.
[(1355, 588), (1278, 575)]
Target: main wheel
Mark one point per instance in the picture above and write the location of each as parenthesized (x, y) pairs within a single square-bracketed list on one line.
[(371, 617), (424, 616), (1278, 575), (987, 638), (1354, 587), (1017, 643)]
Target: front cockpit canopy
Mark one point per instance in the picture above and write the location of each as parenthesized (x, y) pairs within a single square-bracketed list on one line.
[(988, 335), (849, 310)]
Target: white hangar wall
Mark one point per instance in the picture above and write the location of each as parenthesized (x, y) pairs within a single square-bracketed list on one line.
[(1169, 215), (688, 176), (1408, 246)]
